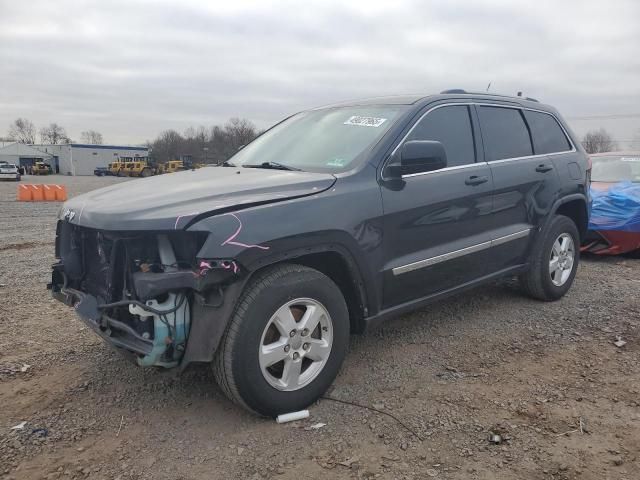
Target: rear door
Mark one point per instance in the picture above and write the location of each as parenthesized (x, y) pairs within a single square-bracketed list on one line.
[(525, 184), (437, 224)]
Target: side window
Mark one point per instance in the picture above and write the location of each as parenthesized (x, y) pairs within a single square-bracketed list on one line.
[(547, 135), (504, 133), (452, 127)]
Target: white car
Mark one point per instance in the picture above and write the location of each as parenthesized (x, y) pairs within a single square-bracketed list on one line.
[(9, 171)]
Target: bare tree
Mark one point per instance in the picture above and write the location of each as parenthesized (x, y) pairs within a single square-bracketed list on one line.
[(635, 143), (53, 134), (240, 131), (23, 131), (92, 137), (597, 141), (213, 145), (168, 146)]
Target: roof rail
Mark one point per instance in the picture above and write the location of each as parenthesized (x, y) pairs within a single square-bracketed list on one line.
[(460, 91)]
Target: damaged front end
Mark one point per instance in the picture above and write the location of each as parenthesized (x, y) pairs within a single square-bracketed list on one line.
[(138, 290)]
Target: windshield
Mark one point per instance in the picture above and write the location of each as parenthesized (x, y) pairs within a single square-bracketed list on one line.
[(618, 168), (328, 140)]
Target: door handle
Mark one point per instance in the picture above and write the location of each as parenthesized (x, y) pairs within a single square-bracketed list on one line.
[(476, 180), (543, 168)]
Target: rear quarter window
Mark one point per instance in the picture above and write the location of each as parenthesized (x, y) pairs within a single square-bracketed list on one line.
[(548, 136), (504, 133)]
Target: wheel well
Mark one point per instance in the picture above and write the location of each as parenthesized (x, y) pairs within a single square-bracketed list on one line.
[(576, 210), (335, 266)]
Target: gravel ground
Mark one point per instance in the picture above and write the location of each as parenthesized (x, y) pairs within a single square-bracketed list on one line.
[(545, 377)]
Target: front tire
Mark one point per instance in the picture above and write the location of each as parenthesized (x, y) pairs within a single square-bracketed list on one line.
[(554, 261), (286, 341)]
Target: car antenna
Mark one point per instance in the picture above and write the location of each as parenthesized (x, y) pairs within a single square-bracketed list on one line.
[(488, 86)]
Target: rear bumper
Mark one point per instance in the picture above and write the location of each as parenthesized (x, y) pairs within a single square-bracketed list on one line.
[(10, 176)]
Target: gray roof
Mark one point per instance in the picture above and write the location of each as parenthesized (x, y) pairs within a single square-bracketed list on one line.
[(23, 150)]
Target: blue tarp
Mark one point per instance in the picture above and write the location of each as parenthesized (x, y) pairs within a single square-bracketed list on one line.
[(617, 208)]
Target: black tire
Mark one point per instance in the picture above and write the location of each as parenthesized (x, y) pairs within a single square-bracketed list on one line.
[(239, 374), (537, 281)]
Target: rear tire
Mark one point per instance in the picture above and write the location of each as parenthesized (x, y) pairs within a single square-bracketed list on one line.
[(554, 261), (269, 319)]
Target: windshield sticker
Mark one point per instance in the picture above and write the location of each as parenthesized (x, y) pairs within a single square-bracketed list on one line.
[(365, 121), (336, 162)]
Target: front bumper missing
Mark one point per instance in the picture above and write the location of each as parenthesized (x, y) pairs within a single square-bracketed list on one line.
[(112, 331)]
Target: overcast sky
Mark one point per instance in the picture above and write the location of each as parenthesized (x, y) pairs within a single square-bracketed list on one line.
[(130, 69)]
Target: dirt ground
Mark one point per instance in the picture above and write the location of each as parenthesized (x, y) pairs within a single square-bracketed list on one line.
[(545, 377)]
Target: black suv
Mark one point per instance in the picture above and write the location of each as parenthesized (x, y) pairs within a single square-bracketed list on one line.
[(332, 221)]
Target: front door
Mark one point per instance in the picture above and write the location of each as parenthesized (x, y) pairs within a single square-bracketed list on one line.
[(437, 225)]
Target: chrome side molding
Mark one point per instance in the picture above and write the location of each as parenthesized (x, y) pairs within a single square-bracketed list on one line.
[(427, 262)]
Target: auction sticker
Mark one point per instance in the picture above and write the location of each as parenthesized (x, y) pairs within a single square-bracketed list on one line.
[(365, 121)]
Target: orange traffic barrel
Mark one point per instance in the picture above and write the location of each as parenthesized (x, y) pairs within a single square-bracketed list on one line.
[(42, 193), (60, 193), (24, 193), (49, 193), (37, 193)]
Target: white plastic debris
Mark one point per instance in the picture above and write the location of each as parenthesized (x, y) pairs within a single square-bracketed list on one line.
[(292, 417), (25, 367), (19, 426), (316, 426), (619, 342)]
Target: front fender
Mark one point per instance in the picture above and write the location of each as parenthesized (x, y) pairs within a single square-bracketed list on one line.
[(267, 234), (264, 235)]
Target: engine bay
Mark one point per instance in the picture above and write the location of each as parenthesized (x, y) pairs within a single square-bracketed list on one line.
[(136, 289)]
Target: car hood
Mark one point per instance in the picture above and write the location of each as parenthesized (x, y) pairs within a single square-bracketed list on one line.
[(170, 202)]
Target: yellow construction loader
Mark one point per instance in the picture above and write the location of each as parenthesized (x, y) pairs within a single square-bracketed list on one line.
[(170, 167), (40, 168), (131, 167)]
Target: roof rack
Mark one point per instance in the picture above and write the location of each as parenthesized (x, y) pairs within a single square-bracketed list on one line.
[(462, 91)]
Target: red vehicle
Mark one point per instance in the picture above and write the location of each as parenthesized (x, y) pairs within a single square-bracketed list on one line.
[(614, 226)]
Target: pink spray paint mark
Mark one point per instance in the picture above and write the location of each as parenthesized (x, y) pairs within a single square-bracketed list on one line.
[(230, 265), (232, 238), (204, 267), (175, 227)]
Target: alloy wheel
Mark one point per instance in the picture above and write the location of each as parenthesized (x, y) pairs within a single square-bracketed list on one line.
[(295, 344), (561, 259)]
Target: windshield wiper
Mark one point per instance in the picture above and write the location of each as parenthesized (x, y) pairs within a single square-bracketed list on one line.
[(226, 164), (271, 165)]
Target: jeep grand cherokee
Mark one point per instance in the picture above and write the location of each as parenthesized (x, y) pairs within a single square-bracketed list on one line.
[(330, 222)]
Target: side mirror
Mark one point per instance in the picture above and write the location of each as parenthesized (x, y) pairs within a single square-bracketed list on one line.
[(418, 156)]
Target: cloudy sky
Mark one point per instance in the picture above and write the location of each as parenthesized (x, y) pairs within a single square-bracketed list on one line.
[(130, 69)]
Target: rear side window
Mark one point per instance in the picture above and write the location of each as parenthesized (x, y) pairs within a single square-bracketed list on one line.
[(548, 136), (450, 126), (504, 133)]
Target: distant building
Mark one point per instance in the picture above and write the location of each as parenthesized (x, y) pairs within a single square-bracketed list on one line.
[(69, 159)]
